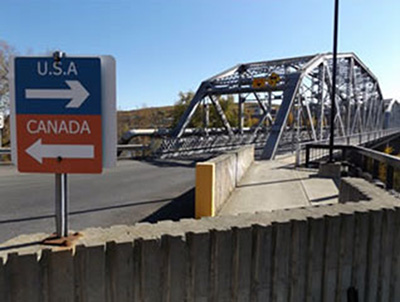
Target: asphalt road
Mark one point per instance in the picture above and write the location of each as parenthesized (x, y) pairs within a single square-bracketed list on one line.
[(131, 192)]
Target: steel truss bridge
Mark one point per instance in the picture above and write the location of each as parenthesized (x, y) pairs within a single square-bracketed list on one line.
[(293, 100)]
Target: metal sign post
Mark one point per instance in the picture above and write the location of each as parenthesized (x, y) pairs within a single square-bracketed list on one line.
[(61, 205)]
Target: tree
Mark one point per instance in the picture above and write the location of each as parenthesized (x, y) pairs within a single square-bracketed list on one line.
[(227, 104), (179, 108), (229, 108), (6, 51)]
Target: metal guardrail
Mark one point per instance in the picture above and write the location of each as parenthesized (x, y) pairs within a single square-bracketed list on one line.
[(315, 152), (120, 148), (381, 157), (379, 165), (5, 151), (134, 149), (356, 139)]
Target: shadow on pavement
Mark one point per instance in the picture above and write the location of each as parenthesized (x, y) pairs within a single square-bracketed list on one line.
[(85, 211), (273, 182), (170, 163), (322, 199), (186, 161), (179, 208)]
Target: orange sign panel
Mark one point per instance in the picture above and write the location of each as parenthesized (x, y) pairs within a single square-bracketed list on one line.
[(259, 83), (273, 79), (59, 143)]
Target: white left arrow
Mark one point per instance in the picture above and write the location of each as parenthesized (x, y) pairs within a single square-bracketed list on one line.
[(39, 151), (76, 93)]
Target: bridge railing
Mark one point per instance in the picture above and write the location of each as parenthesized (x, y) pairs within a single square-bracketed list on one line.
[(375, 165), (5, 151), (317, 151), (131, 151), (361, 161), (210, 144)]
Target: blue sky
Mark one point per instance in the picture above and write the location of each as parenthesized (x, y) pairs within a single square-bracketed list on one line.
[(166, 46)]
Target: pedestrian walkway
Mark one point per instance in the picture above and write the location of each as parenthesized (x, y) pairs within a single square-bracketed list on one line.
[(272, 185)]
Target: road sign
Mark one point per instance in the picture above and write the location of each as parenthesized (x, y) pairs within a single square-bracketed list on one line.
[(61, 117), (258, 83), (273, 79)]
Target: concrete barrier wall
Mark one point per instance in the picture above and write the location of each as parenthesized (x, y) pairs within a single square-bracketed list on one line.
[(218, 177), (245, 157), (225, 178), (307, 254)]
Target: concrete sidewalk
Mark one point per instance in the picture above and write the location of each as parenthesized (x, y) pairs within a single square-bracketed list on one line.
[(272, 185)]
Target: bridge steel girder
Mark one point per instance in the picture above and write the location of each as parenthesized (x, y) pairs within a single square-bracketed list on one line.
[(308, 81), (187, 115), (289, 94)]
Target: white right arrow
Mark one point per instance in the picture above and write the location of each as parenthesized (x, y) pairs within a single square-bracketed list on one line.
[(38, 151), (76, 93)]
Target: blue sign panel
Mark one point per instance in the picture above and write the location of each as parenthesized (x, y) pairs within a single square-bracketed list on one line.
[(70, 86)]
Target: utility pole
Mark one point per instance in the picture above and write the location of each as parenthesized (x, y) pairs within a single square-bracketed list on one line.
[(333, 103)]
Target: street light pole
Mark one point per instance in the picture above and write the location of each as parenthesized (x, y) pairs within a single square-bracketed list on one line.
[(333, 103)]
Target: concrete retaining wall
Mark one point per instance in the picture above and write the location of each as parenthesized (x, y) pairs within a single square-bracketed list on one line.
[(305, 254), (245, 157), (218, 177), (225, 177)]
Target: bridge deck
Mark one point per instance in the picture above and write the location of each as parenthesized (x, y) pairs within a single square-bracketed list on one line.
[(272, 185)]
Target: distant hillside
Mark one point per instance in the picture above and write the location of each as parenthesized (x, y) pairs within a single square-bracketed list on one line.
[(145, 118)]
